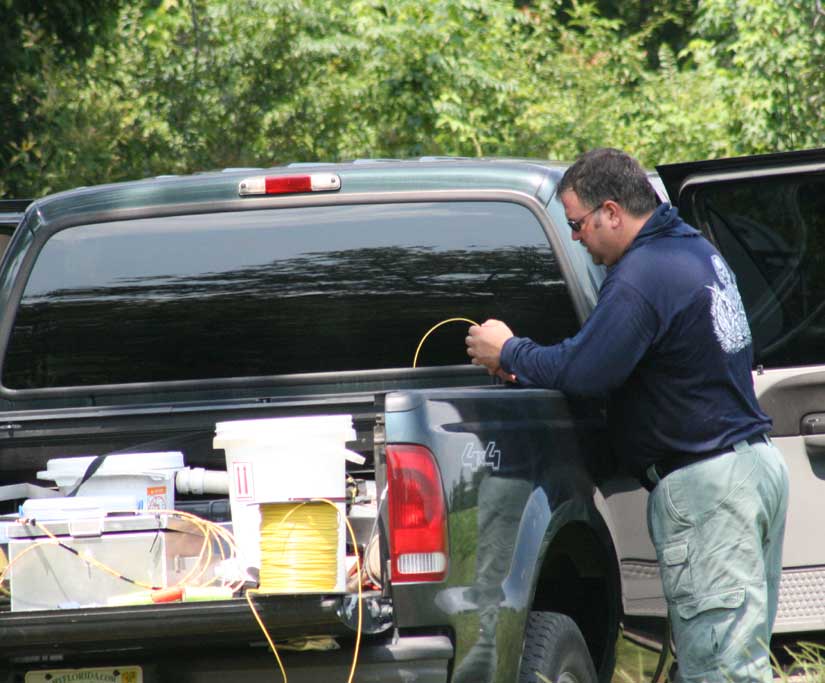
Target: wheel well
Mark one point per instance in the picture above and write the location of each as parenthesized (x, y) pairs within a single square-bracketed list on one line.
[(579, 578)]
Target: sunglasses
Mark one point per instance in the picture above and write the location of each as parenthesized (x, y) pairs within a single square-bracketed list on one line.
[(576, 225)]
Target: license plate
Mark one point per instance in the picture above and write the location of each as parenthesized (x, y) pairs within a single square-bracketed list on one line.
[(103, 674)]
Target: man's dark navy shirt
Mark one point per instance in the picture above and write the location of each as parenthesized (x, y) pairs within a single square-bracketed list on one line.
[(668, 343)]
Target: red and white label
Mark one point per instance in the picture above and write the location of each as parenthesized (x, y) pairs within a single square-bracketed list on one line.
[(156, 498), (242, 479)]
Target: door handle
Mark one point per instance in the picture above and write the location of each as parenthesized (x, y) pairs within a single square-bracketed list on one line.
[(813, 423)]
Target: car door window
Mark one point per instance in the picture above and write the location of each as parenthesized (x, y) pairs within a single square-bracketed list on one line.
[(772, 233)]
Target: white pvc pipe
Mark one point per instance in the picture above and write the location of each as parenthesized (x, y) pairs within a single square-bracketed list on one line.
[(198, 480)]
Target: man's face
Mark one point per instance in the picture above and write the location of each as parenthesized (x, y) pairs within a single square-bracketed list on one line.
[(596, 237)]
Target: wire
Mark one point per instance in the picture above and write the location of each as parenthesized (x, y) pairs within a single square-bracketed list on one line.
[(213, 534), (433, 329), (273, 530), (373, 537), (88, 558), (299, 548), (264, 554), (263, 628)]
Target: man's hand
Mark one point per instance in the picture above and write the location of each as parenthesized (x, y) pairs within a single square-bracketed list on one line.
[(484, 347)]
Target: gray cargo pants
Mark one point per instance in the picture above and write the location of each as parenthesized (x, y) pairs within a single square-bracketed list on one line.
[(717, 526)]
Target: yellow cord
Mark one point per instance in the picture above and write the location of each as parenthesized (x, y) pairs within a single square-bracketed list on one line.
[(273, 530), (434, 328), (299, 548), (212, 534), (249, 594), (283, 519)]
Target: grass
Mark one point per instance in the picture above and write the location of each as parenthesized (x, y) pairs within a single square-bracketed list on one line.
[(802, 663), (807, 664), (634, 663)]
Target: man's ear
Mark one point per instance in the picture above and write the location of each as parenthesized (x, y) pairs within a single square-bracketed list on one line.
[(613, 212)]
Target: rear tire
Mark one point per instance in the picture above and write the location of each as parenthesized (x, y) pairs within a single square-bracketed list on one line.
[(554, 647)]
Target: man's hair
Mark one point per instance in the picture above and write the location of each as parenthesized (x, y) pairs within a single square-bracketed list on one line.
[(605, 173)]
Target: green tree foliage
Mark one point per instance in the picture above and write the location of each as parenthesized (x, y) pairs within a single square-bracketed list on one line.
[(663, 22), (771, 55), (187, 85), (34, 37)]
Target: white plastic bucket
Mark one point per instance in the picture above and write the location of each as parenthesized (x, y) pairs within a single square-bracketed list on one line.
[(148, 477), (282, 460)]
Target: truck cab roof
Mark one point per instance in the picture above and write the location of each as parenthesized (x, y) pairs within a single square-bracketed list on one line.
[(170, 193)]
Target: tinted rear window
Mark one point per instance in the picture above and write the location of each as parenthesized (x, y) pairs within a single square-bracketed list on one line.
[(279, 292), (772, 233)]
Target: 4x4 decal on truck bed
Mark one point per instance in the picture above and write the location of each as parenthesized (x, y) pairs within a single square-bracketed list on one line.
[(475, 458)]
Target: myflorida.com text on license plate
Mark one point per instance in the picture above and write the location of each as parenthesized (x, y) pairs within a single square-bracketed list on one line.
[(110, 674)]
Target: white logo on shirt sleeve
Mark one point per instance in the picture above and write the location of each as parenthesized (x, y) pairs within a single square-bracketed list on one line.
[(730, 324)]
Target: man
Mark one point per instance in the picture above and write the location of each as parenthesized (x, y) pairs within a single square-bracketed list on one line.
[(668, 343)]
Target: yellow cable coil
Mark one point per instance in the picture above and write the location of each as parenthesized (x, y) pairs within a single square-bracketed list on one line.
[(271, 518), (299, 547)]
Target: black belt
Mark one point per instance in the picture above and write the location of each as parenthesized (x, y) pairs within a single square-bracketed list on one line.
[(664, 467)]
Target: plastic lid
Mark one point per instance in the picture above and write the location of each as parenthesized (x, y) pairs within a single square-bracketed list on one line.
[(285, 431), (122, 463), (79, 506), (319, 425)]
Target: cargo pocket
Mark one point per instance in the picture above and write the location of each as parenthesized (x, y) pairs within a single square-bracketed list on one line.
[(705, 629), (676, 576)]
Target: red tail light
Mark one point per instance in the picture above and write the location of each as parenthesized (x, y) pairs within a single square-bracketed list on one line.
[(418, 515)]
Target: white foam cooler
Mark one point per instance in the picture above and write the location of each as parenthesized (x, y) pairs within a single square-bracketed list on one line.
[(281, 460), (148, 477)]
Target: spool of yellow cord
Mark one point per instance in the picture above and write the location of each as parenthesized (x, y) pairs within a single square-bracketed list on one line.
[(275, 524), (300, 547)]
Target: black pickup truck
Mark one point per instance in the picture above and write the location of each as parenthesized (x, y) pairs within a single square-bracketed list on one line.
[(508, 546)]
